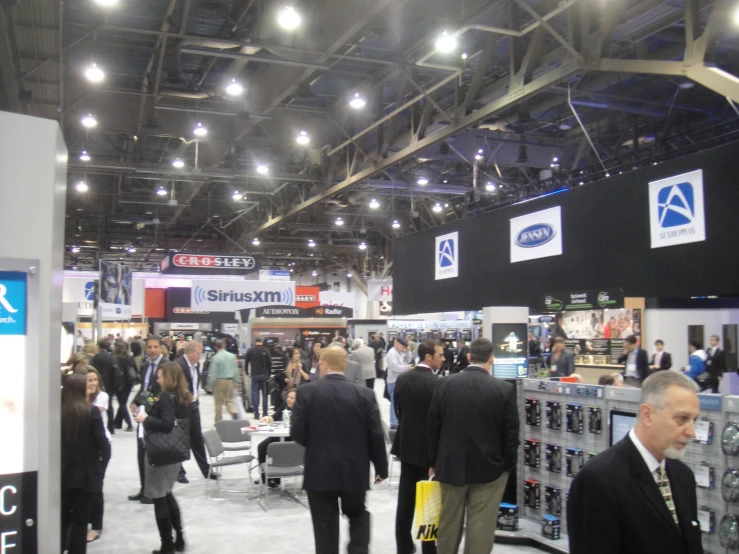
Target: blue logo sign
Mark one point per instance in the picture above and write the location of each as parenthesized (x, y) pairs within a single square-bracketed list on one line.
[(12, 303), (447, 253), (202, 295), (535, 235), (90, 291), (676, 205)]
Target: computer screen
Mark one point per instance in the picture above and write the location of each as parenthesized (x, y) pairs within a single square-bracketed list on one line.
[(620, 424)]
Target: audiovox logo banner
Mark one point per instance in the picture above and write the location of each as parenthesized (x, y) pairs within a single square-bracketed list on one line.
[(447, 256), (676, 214), (230, 296), (537, 235)]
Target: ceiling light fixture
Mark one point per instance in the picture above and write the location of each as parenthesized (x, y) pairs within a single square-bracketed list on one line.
[(237, 195), (396, 224), (199, 130), (479, 157), (314, 273), (311, 244), (363, 246), (161, 191), (178, 163), (106, 3), (81, 186), (75, 249), (464, 55), (446, 43), (348, 275), (84, 156), (94, 74), (565, 126), (423, 181), (131, 250), (490, 187), (302, 139), (289, 18), (555, 159), (89, 121), (339, 221), (234, 88), (357, 102), (256, 242), (374, 204), (262, 169), (437, 208)]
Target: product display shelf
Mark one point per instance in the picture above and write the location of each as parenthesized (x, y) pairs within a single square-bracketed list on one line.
[(729, 413), (529, 534)]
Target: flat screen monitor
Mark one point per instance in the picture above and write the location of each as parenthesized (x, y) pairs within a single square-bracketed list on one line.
[(620, 424)]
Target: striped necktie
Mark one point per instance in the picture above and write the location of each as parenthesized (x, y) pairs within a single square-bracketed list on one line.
[(664, 488)]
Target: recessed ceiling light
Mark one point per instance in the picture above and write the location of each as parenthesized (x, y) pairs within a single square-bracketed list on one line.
[(234, 88), (362, 246), (199, 130), (161, 191), (94, 74), (374, 204), (262, 169), (423, 181), (81, 186), (357, 102), (302, 139), (396, 224), (289, 18), (178, 163), (237, 195), (446, 43), (84, 156), (89, 121)]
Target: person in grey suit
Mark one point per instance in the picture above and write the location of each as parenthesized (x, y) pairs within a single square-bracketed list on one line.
[(365, 357)]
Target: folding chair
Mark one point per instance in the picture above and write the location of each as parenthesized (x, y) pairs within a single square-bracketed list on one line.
[(218, 460), (284, 459), (389, 439), (230, 432)]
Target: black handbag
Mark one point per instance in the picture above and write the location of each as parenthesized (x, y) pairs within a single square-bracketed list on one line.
[(169, 448)]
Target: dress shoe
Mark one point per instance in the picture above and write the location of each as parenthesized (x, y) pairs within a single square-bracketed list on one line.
[(179, 543), (182, 479), (214, 476), (136, 497), (146, 500), (166, 548)]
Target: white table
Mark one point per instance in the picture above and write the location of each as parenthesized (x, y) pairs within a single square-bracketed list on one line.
[(281, 432)]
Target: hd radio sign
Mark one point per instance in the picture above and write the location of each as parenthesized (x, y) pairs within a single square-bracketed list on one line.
[(208, 263), (231, 296)]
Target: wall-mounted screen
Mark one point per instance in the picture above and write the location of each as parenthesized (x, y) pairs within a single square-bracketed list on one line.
[(620, 424), (511, 350)]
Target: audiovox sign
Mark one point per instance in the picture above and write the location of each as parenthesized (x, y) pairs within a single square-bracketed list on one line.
[(230, 296), (293, 311), (602, 299)]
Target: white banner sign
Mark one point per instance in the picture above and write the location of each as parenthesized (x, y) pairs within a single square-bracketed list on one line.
[(274, 275), (379, 289), (345, 299), (676, 214), (447, 256), (230, 296), (114, 312), (537, 235)]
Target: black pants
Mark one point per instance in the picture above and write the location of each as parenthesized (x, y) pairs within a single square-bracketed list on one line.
[(324, 511), (76, 506), (140, 454), (111, 415), (196, 442), (97, 509), (122, 413), (409, 476), (370, 383)]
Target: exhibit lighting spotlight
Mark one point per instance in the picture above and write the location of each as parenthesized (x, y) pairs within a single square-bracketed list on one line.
[(89, 121), (81, 186), (161, 191), (396, 224), (302, 139), (255, 242), (234, 88), (289, 18), (490, 187), (446, 43), (311, 244), (357, 102), (94, 74), (178, 163), (199, 130), (423, 181), (262, 169), (339, 221), (437, 208), (374, 204), (84, 156), (363, 246), (237, 195)]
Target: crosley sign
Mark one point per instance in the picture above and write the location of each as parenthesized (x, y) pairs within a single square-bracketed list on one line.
[(181, 262)]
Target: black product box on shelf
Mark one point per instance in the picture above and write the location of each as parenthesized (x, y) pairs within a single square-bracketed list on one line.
[(554, 415), (595, 420), (533, 412), (574, 418), (553, 500), (508, 517), (575, 459), (531, 493), (554, 458), (531, 453), (550, 527)]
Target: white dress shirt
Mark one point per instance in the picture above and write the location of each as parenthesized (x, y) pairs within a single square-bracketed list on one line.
[(195, 378), (631, 364), (658, 358), (652, 463)]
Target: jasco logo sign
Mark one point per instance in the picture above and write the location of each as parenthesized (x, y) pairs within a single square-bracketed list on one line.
[(535, 235), (676, 210), (227, 296), (447, 256), (213, 262)]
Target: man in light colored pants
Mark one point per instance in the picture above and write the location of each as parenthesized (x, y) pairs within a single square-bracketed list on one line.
[(223, 372), (482, 503), (223, 391)]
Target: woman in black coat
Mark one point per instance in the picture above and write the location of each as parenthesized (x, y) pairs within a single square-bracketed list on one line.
[(84, 447), (174, 402)]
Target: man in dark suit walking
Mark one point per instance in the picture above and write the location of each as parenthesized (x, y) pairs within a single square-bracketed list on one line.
[(413, 392), (661, 360), (151, 363), (190, 364), (636, 362), (715, 364), (637, 496), (105, 364), (338, 422), (473, 445)]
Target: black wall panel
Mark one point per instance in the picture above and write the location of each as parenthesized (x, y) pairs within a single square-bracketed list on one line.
[(606, 243)]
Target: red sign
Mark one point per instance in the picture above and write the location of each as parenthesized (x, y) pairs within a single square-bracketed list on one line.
[(186, 311), (206, 261), (307, 297)]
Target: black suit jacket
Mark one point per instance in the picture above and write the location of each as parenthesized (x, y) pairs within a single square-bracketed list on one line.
[(188, 376), (413, 392), (473, 428), (103, 362), (615, 507), (665, 363), (153, 386), (82, 461), (565, 364), (642, 363), (715, 365), (339, 424)]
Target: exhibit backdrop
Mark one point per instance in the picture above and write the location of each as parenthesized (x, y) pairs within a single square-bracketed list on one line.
[(606, 242)]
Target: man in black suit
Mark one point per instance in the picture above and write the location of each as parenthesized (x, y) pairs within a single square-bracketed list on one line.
[(473, 445), (190, 364), (462, 361), (637, 496), (661, 360), (258, 364), (413, 392), (715, 365), (104, 363), (338, 422), (149, 366), (636, 362)]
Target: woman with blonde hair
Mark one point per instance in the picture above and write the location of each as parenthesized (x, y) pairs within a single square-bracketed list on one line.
[(97, 396), (174, 402), (77, 363)]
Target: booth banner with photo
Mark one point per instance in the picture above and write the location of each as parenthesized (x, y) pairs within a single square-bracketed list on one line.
[(116, 282), (597, 336)]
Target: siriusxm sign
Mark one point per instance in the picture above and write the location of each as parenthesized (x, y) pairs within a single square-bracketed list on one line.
[(447, 256), (676, 210), (535, 235), (12, 303), (230, 296)]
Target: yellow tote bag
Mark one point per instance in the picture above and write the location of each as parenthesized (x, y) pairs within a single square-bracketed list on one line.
[(428, 510)]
